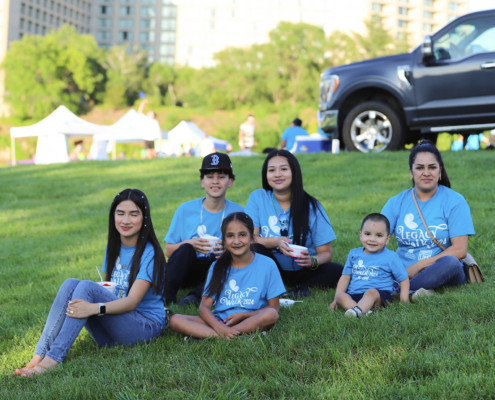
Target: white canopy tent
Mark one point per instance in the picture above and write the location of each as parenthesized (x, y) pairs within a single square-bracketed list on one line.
[(131, 127), (187, 132), (52, 133)]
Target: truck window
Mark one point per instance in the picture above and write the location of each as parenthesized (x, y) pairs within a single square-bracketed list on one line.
[(472, 37)]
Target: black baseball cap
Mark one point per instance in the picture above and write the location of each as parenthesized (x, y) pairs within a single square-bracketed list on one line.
[(216, 161)]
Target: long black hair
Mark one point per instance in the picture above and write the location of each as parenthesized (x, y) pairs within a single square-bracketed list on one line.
[(159, 281), (426, 146), (300, 203), (222, 266)]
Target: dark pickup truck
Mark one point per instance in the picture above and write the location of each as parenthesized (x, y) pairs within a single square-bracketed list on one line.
[(445, 85)]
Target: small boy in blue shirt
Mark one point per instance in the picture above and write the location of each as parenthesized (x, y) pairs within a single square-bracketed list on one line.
[(369, 272)]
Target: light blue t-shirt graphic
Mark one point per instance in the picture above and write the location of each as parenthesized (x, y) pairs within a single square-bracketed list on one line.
[(446, 213), (186, 223), (260, 207), (373, 271), (290, 134), (151, 305), (247, 289)]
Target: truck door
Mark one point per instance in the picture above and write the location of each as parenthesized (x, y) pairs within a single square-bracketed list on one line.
[(458, 86)]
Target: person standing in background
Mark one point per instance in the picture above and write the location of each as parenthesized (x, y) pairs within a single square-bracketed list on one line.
[(149, 145), (289, 135), (246, 134)]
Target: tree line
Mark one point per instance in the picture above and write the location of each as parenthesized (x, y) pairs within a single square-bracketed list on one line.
[(67, 68)]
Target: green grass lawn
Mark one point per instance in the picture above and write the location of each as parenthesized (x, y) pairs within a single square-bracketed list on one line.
[(54, 227)]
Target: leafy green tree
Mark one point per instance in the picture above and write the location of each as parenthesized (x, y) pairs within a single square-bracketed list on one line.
[(42, 73), (125, 71)]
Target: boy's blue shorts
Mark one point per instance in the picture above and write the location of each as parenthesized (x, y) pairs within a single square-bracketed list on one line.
[(385, 295)]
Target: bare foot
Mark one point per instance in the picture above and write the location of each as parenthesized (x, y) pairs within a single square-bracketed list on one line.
[(46, 363), (34, 361)]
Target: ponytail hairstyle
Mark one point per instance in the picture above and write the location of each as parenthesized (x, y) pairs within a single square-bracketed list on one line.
[(426, 146), (222, 266), (301, 202), (159, 281)]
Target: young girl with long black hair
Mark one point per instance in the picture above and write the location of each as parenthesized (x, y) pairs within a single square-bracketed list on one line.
[(284, 213), (135, 262), (244, 286)]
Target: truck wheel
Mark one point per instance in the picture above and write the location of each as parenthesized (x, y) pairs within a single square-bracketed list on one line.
[(372, 127)]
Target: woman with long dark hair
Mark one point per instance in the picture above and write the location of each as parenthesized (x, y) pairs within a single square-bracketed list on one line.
[(283, 213), (135, 263), (244, 286), (447, 215)]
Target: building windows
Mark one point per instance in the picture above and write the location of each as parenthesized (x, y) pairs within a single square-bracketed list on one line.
[(403, 11), (212, 25), (147, 23), (452, 17), (167, 37), (38, 14), (126, 10), (45, 3), (43, 30), (453, 6), (23, 8), (52, 5), (169, 11), (427, 27), (168, 24), (51, 19), (402, 23), (29, 26), (169, 50), (148, 1), (106, 10), (428, 3), (103, 35), (125, 36), (44, 17), (427, 15), (403, 1), (30, 11), (36, 28), (401, 35), (148, 11), (21, 25), (59, 8), (104, 22), (147, 36), (376, 7), (58, 21), (212, 13), (126, 23)]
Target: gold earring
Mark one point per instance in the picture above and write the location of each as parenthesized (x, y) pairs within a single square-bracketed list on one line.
[(411, 177), (440, 178)]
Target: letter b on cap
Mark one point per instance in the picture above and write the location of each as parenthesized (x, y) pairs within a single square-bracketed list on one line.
[(215, 160)]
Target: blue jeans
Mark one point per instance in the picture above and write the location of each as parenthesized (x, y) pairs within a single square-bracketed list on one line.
[(446, 271), (61, 331)]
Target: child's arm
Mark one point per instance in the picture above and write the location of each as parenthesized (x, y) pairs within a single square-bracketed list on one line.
[(404, 291), (236, 318), (341, 287), (220, 328)]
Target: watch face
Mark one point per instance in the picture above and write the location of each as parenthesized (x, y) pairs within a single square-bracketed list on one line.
[(103, 309)]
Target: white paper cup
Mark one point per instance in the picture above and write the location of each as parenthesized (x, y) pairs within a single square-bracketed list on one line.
[(297, 249), (287, 302), (110, 286), (213, 241)]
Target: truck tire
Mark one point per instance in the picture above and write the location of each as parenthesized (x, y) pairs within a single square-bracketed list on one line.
[(372, 127)]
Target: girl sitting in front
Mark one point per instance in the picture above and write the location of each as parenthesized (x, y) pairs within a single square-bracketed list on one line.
[(244, 286)]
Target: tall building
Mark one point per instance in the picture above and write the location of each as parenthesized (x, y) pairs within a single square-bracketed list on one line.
[(416, 18), (148, 24), (207, 26), (37, 17)]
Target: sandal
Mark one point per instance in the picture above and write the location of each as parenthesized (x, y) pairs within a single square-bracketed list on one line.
[(20, 371), (25, 375)]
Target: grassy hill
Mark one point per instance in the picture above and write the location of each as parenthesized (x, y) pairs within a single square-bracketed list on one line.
[(54, 221)]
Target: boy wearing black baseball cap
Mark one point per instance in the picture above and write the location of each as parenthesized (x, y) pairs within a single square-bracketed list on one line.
[(196, 225)]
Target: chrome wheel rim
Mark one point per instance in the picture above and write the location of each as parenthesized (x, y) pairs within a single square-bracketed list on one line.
[(371, 132)]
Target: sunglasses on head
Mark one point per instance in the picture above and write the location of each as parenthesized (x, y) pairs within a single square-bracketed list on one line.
[(284, 231)]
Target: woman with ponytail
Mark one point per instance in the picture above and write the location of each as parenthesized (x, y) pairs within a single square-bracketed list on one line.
[(135, 262), (243, 285)]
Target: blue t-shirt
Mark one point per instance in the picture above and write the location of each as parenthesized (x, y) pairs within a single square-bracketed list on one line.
[(151, 304), (446, 213), (247, 289), (260, 207), (290, 134), (373, 271), (186, 223)]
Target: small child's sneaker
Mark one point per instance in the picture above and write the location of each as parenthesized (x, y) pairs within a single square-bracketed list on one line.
[(354, 312), (421, 293)]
